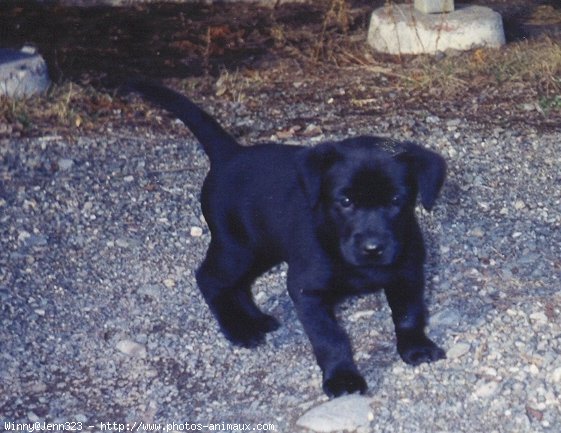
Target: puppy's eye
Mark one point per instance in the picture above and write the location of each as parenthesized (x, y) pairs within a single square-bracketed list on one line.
[(396, 200), (345, 202)]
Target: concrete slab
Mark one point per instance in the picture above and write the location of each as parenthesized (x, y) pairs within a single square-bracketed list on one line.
[(402, 29), (22, 73)]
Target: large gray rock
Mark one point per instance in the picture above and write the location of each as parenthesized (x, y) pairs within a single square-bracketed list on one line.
[(402, 29), (348, 413), (22, 73)]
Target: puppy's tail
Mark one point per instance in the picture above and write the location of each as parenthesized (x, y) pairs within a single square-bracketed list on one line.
[(217, 143)]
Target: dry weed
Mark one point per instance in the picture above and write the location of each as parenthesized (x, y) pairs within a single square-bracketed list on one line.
[(536, 64)]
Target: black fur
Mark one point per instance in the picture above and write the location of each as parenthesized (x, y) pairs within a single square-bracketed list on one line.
[(341, 214)]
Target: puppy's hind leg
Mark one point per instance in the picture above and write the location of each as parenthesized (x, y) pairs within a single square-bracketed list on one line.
[(225, 279)]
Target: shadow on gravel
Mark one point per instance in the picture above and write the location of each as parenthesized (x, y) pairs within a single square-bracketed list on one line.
[(103, 46)]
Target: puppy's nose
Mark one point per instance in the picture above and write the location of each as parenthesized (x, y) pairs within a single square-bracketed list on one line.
[(373, 248)]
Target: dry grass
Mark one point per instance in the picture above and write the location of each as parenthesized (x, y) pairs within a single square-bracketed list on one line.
[(67, 107), (528, 71), (535, 64), (532, 68)]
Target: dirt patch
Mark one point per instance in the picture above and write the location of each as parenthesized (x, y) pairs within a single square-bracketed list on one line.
[(240, 52)]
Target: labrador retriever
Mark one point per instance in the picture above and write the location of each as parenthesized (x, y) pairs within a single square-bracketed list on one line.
[(341, 214)]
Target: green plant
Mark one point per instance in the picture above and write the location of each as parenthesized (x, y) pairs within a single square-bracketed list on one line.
[(550, 103)]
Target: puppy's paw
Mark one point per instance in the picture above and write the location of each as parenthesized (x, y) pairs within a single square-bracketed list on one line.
[(420, 350), (249, 332), (344, 381), (244, 336), (268, 323)]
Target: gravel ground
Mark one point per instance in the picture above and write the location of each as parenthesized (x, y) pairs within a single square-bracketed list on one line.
[(101, 320)]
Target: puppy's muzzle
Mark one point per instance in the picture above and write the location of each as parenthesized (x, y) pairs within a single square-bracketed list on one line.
[(373, 248), (363, 249), (377, 249)]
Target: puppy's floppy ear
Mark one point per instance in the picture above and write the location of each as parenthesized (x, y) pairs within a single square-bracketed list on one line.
[(428, 169), (312, 163)]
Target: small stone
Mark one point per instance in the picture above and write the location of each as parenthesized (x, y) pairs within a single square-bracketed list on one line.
[(519, 205), (311, 130), (23, 236), (539, 318), (349, 412), (446, 317), (489, 371), (432, 119), (28, 49), (65, 164), (128, 179), (534, 414), (556, 375), (121, 242), (452, 153), (80, 418), (196, 232), (169, 283), (36, 240), (361, 314), (131, 348), (150, 291), (37, 387), (485, 389), (476, 232), (458, 350), (32, 416), (284, 134)]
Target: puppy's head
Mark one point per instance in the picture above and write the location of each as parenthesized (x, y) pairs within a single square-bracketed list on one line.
[(363, 190)]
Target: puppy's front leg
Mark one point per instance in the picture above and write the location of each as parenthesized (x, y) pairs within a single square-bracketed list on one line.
[(408, 313), (330, 343)]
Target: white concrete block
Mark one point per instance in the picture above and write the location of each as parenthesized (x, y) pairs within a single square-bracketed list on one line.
[(402, 29), (434, 6), (22, 73)]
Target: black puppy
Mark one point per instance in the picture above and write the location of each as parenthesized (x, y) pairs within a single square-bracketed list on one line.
[(341, 214)]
